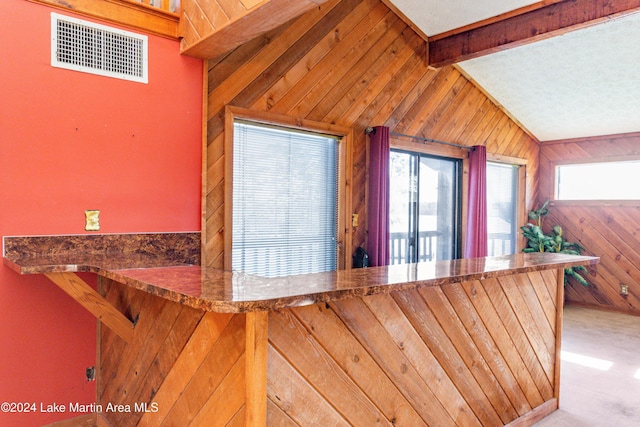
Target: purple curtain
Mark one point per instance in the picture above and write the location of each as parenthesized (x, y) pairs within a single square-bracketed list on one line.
[(378, 212), (476, 233)]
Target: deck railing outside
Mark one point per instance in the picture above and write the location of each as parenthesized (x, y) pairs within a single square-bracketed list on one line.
[(500, 244), (399, 246), (172, 6)]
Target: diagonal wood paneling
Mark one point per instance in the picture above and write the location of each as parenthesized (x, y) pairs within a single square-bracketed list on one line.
[(473, 353), (341, 351), (353, 63), (464, 354), (607, 230), (188, 364), (211, 28)]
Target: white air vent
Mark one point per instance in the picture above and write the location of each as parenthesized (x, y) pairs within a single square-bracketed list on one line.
[(92, 48)]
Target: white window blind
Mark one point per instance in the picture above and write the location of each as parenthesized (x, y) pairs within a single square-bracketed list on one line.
[(285, 201), (502, 208)]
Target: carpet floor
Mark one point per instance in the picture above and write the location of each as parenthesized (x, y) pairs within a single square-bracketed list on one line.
[(600, 370)]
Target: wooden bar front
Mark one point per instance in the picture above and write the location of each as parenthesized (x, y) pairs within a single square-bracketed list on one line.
[(473, 342), (480, 352)]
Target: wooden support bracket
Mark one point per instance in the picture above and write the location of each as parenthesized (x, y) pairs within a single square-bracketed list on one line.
[(79, 290)]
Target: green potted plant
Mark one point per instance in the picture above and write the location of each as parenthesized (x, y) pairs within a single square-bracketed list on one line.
[(538, 241)]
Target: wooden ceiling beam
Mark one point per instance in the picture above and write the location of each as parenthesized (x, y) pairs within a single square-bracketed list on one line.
[(549, 21)]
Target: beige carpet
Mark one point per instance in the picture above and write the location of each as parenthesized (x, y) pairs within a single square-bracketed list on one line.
[(600, 386)]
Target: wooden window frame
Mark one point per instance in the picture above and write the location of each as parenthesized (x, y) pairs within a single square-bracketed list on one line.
[(345, 162), (594, 203), (522, 214)]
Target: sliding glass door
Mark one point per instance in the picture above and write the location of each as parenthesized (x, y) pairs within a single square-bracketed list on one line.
[(424, 220)]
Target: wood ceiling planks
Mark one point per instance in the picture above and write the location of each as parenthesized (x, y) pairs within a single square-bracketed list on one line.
[(210, 28)]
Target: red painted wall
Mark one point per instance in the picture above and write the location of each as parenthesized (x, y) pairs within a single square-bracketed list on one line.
[(69, 142)]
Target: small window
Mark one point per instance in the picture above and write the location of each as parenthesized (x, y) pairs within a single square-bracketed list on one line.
[(598, 181)]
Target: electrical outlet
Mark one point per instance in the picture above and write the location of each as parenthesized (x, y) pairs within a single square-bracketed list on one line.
[(354, 220), (92, 220), (90, 372), (624, 289)]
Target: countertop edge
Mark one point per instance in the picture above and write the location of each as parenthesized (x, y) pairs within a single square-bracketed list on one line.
[(369, 280), (277, 303)]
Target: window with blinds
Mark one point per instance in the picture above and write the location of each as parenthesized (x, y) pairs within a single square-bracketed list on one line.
[(285, 200), (502, 208)]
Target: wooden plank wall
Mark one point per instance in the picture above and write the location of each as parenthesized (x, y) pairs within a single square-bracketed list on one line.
[(607, 230), (187, 366), (472, 353), (468, 354), (201, 18), (213, 27), (353, 63)]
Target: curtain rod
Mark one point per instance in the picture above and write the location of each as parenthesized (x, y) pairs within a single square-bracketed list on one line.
[(371, 130)]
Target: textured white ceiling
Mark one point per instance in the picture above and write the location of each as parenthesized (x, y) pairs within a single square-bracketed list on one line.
[(584, 83), (438, 16)]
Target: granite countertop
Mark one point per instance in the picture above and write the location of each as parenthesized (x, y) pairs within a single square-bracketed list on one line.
[(233, 292)]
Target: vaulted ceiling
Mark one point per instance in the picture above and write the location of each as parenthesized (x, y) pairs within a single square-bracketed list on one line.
[(562, 69)]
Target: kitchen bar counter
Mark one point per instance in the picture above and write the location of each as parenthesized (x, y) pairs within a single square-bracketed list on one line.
[(233, 292), (459, 343)]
